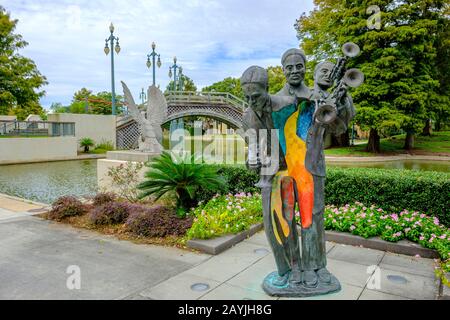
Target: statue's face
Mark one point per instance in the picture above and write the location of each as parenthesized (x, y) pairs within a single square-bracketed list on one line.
[(294, 69), (322, 75), (256, 95)]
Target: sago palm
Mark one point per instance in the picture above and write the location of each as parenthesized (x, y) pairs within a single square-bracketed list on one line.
[(86, 143), (170, 173)]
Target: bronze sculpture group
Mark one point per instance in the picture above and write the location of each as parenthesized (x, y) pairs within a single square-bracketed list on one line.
[(286, 133)]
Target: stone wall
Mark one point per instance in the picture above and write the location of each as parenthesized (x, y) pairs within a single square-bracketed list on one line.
[(23, 150), (99, 128)]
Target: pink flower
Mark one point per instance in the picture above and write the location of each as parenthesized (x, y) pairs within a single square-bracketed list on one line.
[(417, 256), (442, 237), (352, 228), (407, 229), (380, 210), (394, 217), (422, 216), (421, 238)]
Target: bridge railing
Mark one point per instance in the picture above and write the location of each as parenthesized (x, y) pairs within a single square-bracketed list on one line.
[(205, 97)]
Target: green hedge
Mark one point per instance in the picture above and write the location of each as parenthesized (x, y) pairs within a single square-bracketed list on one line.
[(394, 190)]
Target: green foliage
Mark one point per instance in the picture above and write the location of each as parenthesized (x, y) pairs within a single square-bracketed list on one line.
[(20, 79), (238, 179), (226, 214), (86, 143), (400, 61), (187, 84), (181, 176), (230, 85), (392, 190), (277, 79), (103, 147)]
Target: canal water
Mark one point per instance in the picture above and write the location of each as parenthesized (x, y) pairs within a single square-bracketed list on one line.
[(45, 182)]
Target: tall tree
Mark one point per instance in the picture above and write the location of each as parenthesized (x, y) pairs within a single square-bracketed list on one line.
[(397, 58), (230, 85), (277, 79), (20, 80), (183, 84)]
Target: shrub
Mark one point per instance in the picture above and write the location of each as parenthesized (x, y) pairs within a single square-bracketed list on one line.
[(158, 221), (105, 145), (102, 198), (392, 190), (238, 179), (226, 214), (110, 213), (86, 143), (125, 179), (66, 206), (169, 173)]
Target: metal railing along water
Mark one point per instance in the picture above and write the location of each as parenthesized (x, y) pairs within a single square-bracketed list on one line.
[(13, 128)]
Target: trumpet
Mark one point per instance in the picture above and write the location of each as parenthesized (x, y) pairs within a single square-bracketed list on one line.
[(327, 110)]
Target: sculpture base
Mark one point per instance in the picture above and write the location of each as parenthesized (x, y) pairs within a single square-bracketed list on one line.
[(292, 289)]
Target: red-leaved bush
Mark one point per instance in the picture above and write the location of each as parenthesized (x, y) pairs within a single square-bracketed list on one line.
[(158, 221), (111, 213), (66, 206), (103, 198)]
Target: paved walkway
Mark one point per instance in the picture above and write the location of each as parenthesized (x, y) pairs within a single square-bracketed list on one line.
[(35, 256)]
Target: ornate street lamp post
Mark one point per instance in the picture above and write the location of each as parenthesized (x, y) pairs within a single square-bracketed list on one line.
[(153, 55), (107, 50), (142, 96), (174, 68)]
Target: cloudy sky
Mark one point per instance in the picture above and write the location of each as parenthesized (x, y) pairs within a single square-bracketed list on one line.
[(211, 39)]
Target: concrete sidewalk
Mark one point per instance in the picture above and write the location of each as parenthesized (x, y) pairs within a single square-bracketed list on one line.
[(35, 255), (237, 274)]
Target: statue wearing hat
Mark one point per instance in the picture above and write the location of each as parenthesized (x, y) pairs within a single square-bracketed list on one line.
[(292, 168)]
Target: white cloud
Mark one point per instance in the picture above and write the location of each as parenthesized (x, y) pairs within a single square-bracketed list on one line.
[(212, 39)]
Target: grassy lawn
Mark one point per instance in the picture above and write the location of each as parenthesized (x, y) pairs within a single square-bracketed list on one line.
[(437, 144)]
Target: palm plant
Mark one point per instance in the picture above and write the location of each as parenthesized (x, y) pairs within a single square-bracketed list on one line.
[(86, 143), (170, 173)]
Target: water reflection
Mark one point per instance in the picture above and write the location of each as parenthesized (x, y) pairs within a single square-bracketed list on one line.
[(45, 182)]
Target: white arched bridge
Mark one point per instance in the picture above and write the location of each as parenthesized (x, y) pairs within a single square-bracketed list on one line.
[(221, 106)]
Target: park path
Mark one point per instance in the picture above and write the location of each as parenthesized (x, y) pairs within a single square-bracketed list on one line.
[(36, 254)]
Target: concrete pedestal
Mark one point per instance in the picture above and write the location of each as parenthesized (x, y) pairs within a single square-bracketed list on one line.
[(131, 155)]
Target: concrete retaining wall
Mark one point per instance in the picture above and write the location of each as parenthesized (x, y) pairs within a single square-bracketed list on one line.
[(99, 128), (22, 150)]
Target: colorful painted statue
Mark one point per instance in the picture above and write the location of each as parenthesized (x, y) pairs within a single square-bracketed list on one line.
[(299, 117)]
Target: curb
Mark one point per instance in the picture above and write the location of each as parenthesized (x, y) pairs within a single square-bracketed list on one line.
[(220, 244), (405, 247), (24, 200), (444, 291)]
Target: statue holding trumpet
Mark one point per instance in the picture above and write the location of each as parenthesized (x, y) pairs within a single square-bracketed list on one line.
[(301, 116)]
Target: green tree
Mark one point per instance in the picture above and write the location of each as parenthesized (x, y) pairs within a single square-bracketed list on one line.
[(397, 59), (187, 84), (230, 85), (20, 79), (277, 80)]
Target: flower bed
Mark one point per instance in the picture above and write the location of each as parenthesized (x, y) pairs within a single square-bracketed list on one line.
[(371, 221), (225, 214)]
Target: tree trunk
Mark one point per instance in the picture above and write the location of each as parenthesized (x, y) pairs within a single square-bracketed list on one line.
[(427, 129), (342, 140), (374, 142), (409, 141)]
